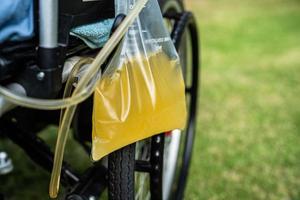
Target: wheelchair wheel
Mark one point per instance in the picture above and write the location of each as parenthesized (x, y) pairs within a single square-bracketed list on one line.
[(157, 168)]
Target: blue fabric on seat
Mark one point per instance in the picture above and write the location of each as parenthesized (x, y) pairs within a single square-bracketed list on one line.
[(16, 20), (94, 35), (16, 24)]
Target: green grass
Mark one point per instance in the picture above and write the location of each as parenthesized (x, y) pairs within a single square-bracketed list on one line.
[(248, 137), (30, 182)]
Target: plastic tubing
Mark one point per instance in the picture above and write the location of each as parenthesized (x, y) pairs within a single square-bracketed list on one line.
[(84, 81), (72, 79), (66, 117), (82, 91)]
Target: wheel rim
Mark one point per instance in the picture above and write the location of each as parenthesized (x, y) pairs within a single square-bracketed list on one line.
[(176, 140), (172, 145)]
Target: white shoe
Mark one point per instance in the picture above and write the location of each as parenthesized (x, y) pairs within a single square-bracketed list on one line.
[(6, 165)]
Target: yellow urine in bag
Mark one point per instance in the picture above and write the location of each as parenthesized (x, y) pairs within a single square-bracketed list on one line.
[(144, 97)]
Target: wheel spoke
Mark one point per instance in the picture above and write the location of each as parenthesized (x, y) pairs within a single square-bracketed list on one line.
[(142, 166), (188, 90)]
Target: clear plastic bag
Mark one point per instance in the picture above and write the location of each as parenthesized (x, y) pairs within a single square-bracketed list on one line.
[(142, 90)]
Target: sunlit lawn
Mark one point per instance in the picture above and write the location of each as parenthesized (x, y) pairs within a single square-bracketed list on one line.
[(248, 138)]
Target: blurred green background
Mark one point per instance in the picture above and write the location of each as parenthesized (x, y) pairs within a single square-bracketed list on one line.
[(248, 137)]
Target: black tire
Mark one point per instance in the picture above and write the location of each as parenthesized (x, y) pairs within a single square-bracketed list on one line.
[(121, 174), (121, 179)]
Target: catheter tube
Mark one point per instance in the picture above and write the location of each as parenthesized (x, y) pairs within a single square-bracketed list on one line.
[(82, 91), (84, 81), (63, 130)]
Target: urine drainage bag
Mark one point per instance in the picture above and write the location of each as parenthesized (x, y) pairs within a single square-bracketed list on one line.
[(141, 92)]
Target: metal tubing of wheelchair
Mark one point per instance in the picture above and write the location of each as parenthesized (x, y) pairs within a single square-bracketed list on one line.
[(48, 23), (37, 150), (90, 184), (6, 106)]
